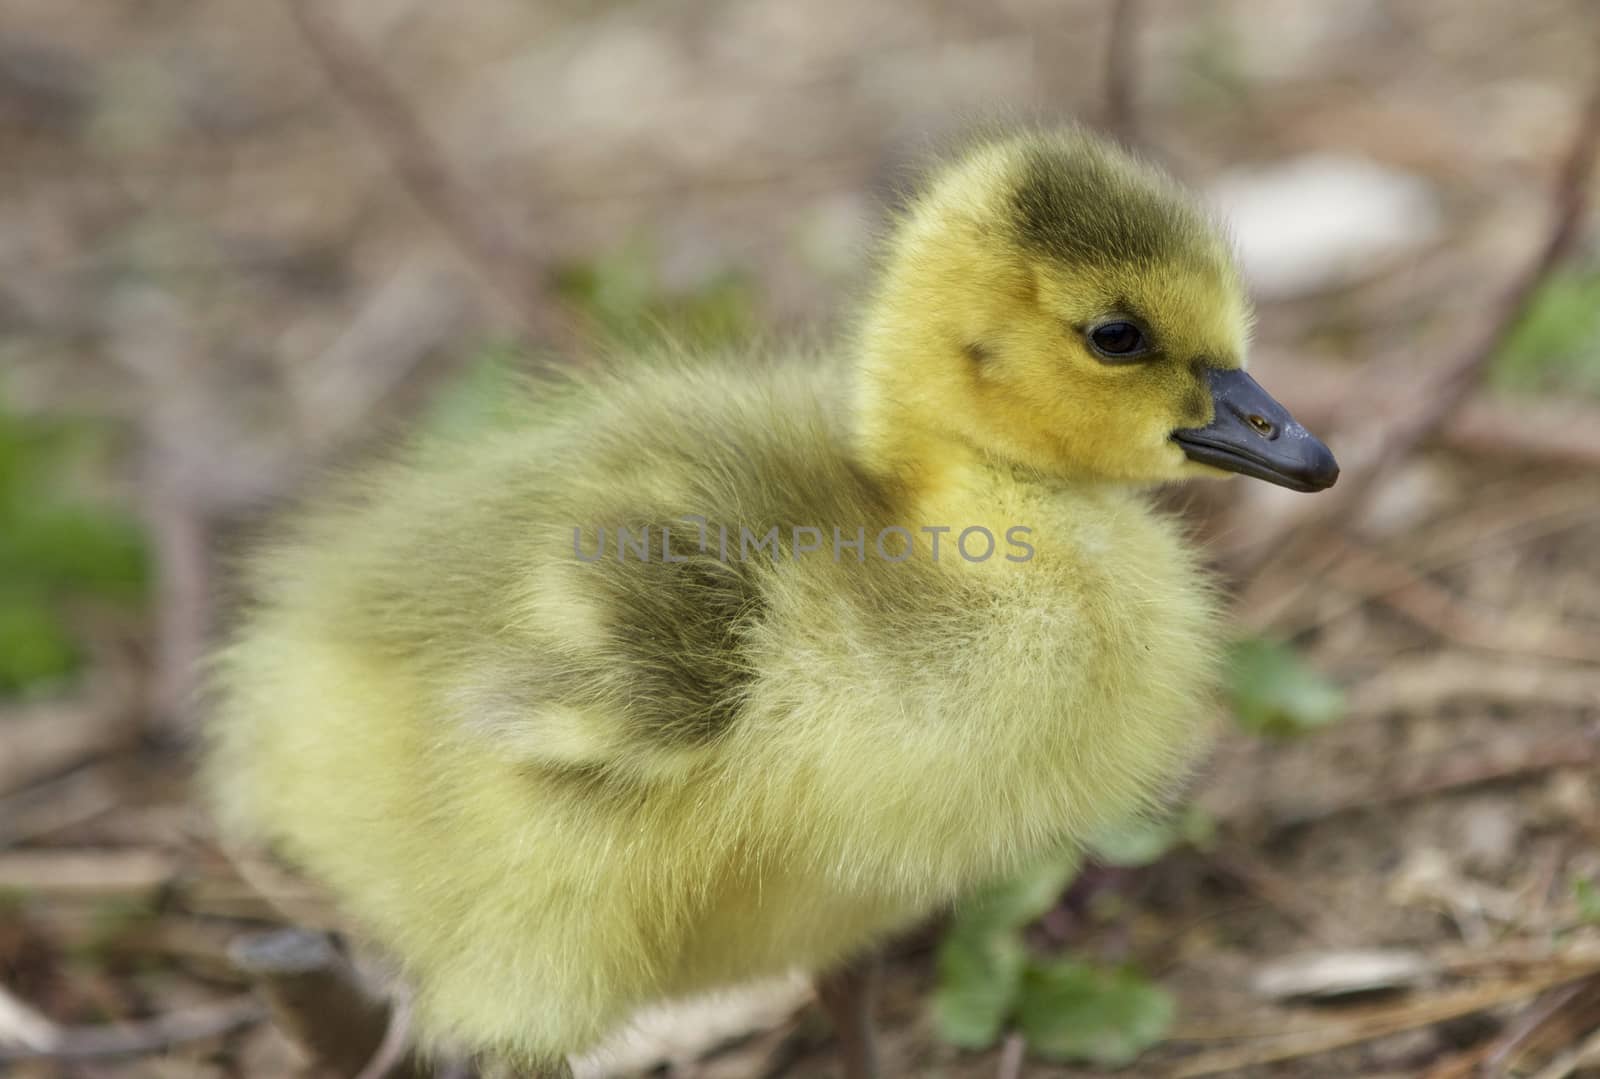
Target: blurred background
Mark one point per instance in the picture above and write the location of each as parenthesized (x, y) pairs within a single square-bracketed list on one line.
[(240, 241)]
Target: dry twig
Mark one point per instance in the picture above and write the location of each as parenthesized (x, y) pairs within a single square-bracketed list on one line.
[(1586, 1053), (396, 326), (74, 798), (155, 1035), (1370, 572), (181, 527), (1011, 1055), (1278, 599), (418, 162), (1488, 525), (1561, 1013), (1429, 682), (98, 873), (1450, 385), (1354, 1026), (1466, 769), (1444, 390), (1539, 429), (46, 739), (1282, 894), (317, 999)]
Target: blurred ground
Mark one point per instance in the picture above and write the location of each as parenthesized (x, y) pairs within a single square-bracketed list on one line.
[(212, 283)]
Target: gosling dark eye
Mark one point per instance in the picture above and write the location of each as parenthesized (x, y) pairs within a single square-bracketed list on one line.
[(1118, 341)]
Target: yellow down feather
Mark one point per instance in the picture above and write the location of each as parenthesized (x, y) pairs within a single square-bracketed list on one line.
[(553, 790)]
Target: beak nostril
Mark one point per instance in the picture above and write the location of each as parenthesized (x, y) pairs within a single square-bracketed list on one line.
[(1262, 425)]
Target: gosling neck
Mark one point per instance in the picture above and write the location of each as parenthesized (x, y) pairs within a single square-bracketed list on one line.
[(911, 436), (921, 427), (894, 438)]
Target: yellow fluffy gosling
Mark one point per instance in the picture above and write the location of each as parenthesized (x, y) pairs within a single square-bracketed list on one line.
[(711, 668)]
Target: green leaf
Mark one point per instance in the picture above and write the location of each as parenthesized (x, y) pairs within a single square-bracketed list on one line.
[(625, 300), (58, 550), (31, 451), (34, 645), (1142, 841), (980, 975), (484, 395), (1137, 842), (1276, 694), (1587, 893), (1011, 905), (982, 957), (1071, 1011), (1555, 344), (71, 549)]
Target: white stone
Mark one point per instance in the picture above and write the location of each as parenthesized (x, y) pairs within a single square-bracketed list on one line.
[(1323, 220)]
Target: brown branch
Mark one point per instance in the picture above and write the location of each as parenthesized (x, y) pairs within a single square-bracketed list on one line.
[(1282, 894), (182, 532), (419, 164), (1534, 428), (47, 739), (1563, 1014), (67, 873), (1370, 573), (1122, 70), (1493, 525), (1356, 1026), (1012, 1052), (1585, 1053), (1450, 387), (1430, 682), (317, 999), (156, 1035), (1441, 393), (1467, 768), (76, 797)]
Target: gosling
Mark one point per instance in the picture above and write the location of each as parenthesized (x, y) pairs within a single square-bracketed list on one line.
[(708, 668)]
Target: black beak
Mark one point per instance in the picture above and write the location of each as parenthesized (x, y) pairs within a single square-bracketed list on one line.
[(1254, 435)]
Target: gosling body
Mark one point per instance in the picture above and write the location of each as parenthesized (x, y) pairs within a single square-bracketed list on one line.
[(557, 775)]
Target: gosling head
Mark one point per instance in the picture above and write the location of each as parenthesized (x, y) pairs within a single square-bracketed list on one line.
[(1052, 301)]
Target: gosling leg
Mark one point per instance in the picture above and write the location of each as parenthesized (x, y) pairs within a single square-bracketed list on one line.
[(847, 995)]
